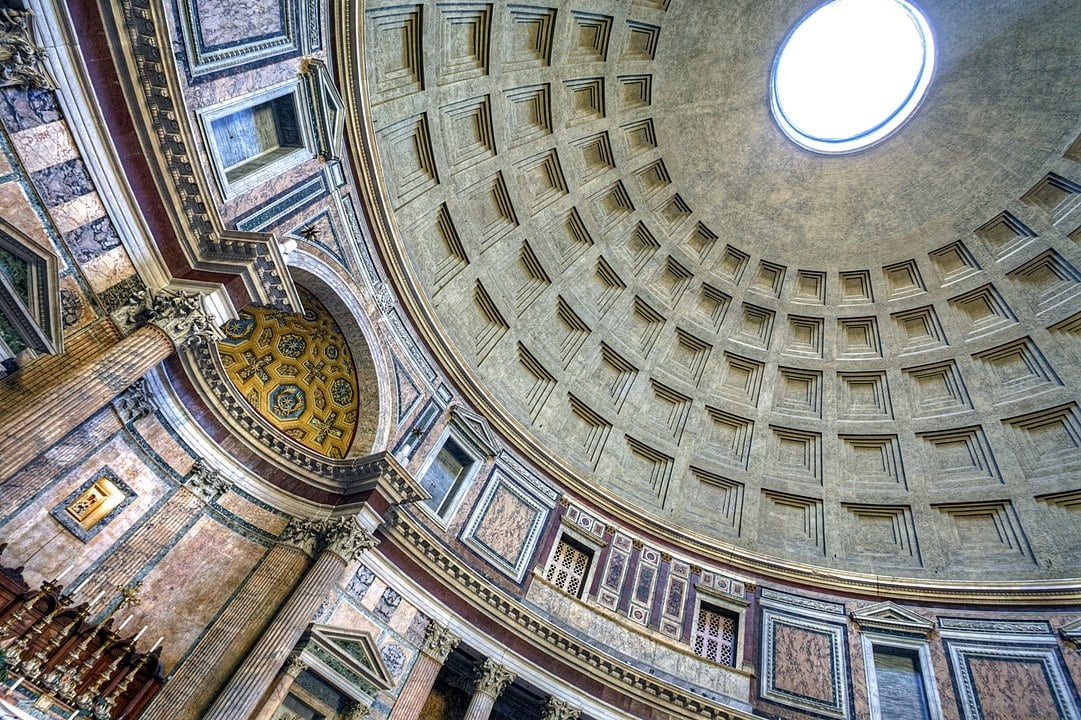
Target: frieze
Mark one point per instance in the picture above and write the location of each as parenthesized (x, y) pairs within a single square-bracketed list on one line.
[(641, 685), (1019, 627), (800, 601)]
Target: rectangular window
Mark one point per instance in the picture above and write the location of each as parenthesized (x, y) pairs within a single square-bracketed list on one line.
[(446, 476), (256, 138), (715, 634), (252, 138), (898, 675), (569, 566)]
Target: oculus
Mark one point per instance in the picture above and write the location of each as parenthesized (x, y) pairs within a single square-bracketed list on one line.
[(850, 73)]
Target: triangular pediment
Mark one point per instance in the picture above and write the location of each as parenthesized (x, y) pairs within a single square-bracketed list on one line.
[(327, 109), (475, 429), (348, 659), (890, 617)]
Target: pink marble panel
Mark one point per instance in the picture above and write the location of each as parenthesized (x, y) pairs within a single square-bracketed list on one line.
[(194, 580), (228, 22), (45, 145)]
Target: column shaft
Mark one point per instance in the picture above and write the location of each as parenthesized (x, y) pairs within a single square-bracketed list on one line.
[(252, 679), (205, 670), (416, 689), (480, 707), (41, 418)]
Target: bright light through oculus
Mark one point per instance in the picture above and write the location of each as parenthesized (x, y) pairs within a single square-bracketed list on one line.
[(851, 72)]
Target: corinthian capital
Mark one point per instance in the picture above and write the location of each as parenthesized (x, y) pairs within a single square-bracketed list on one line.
[(343, 536), (557, 709), (439, 641), (493, 678), (21, 61), (181, 314), (302, 534)]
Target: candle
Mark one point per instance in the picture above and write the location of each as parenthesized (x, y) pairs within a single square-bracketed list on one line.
[(64, 572), (73, 715), (124, 623), (139, 635), (17, 684), (97, 597), (81, 586), (157, 643)]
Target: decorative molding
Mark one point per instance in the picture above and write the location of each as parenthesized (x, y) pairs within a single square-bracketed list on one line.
[(890, 617), (476, 430), (205, 59), (439, 641), (562, 646), (326, 108), (776, 688), (492, 678), (506, 525), (137, 31)]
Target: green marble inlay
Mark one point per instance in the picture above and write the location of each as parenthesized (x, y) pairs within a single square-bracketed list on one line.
[(17, 271), (11, 336), (342, 669)]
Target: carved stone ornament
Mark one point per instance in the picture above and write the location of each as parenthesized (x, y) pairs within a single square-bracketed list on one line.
[(384, 299), (343, 536), (179, 313), (21, 62), (302, 534), (206, 482), (352, 710), (439, 641), (493, 678), (556, 709), (134, 402), (294, 666)]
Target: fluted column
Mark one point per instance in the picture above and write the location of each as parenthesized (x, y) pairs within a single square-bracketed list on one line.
[(556, 709), (439, 641), (342, 541), (32, 421), (289, 673), (492, 680)]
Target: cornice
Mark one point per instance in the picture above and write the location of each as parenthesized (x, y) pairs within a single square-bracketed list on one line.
[(348, 25)]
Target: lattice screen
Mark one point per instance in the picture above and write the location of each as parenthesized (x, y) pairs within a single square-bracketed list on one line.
[(568, 568), (715, 636)]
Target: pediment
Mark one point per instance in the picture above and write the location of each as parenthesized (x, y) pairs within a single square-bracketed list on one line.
[(475, 429), (348, 659), (328, 111), (892, 618)]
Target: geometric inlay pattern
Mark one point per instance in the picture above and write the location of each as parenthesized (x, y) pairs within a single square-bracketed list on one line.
[(296, 372)]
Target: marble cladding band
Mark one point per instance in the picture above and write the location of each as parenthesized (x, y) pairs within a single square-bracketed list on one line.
[(205, 669), (77, 392)]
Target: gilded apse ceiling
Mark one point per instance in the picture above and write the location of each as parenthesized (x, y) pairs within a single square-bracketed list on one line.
[(866, 362)]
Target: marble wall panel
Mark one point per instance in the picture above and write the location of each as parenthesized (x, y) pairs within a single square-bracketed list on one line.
[(194, 581)]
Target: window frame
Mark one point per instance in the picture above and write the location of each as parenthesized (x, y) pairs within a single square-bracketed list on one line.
[(39, 324), (450, 503), (869, 640), (248, 181), (592, 548), (730, 605)]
